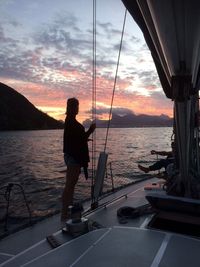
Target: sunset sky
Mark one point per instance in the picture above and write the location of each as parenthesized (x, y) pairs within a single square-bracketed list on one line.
[(46, 55)]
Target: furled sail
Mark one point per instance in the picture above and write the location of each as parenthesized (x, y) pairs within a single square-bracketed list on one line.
[(171, 29)]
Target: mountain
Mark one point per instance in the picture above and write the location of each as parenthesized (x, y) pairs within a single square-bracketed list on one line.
[(17, 113), (132, 120)]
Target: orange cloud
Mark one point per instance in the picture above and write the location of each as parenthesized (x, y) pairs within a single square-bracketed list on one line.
[(51, 98)]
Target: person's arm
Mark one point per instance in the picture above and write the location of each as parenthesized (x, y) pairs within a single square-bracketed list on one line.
[(91, 129), (161, 153)]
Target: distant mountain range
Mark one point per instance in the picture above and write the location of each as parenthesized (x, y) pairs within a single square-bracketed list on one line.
[(17, 113), (131, 120)]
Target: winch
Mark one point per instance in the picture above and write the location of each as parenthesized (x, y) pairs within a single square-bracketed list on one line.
[(76, 225)]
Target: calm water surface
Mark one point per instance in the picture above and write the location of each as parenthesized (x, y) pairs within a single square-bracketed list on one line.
[(35, 159)]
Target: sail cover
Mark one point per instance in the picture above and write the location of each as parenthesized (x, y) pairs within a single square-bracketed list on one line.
[(171, 29)]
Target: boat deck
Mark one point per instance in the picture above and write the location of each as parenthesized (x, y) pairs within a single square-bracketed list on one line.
[(114, 244)]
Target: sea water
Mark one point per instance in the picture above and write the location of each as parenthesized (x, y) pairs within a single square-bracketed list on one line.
[(34, 159)]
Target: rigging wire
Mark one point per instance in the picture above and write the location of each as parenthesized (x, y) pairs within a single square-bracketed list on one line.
[(94, 85), (115, 81), (94, 95)]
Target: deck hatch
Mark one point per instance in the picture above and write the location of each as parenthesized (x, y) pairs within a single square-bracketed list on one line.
[(175, 214)]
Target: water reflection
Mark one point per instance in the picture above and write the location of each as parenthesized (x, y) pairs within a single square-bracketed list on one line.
[(35, 159)]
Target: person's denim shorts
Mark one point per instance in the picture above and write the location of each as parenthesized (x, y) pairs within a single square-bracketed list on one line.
[(69, 160)]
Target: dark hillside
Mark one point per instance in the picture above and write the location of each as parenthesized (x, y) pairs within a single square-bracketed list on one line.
[(17, 113)]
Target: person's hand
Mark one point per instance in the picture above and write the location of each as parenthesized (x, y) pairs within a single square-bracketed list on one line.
[(92, 127), (153, 152)]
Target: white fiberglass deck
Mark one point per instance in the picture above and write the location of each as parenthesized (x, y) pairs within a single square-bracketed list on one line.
[(121, 246), (113, 245)]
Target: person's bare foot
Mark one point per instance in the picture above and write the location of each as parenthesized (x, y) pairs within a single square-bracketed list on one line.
[(144, 169)]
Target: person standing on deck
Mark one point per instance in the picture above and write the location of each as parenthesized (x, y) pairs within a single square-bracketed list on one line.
[(76, 154)]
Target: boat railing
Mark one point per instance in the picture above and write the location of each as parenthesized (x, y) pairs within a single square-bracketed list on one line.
[(118, 174), (6, 191)]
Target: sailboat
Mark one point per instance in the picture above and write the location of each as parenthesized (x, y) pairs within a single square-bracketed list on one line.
[(168, 233)]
